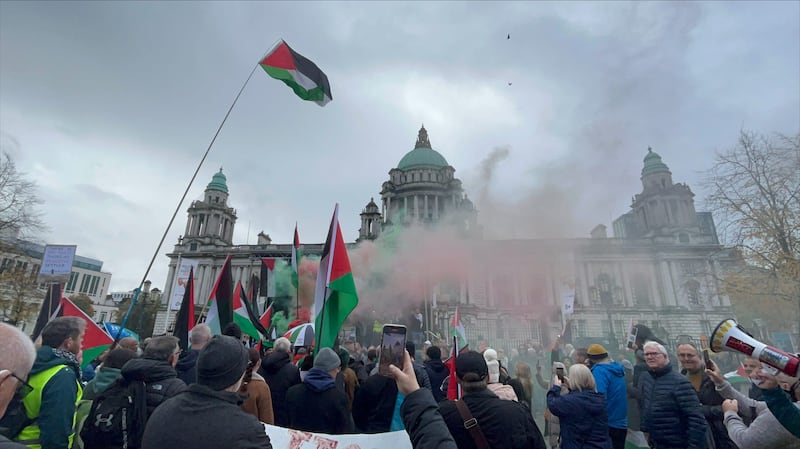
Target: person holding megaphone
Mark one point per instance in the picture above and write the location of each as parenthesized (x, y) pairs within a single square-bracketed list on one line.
[(765, 431)]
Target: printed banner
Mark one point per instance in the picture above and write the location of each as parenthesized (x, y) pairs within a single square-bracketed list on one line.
[(568, 300), (632, 331), (282, 438), (181, 277), (57, 263)]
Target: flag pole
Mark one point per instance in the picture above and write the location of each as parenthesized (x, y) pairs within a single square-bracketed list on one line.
[(180, 203)]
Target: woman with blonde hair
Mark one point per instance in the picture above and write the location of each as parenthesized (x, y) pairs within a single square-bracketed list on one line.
[(522, 383), (256, 392), (582, 412)]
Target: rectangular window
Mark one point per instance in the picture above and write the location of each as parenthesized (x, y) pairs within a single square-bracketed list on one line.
[(93, 286), (73, 279), (84, 283)]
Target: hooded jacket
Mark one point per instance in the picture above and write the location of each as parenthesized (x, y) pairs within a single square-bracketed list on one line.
[(610, 379), (317, 405), (160, 378), (583, 419), (187, 366), (104, 378), (280, 374), (202, 418), (437, 373), (53, 402)]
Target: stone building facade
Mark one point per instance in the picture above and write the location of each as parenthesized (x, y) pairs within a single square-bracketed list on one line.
[(662, 267)]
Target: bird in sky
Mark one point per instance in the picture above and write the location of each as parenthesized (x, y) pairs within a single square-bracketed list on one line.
[(509, 36)]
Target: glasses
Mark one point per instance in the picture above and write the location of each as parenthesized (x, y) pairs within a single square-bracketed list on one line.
[(24, 387), (652, 354)]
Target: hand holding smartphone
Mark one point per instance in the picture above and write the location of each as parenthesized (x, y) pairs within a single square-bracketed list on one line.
[(393, 348), (707, 360)]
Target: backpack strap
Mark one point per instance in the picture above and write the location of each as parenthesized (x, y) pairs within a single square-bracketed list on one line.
[(471, 424)]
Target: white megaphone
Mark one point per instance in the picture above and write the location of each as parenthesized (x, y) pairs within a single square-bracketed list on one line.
[(730, 336)]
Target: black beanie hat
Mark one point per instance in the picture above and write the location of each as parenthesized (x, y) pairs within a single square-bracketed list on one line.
[(221, 362)]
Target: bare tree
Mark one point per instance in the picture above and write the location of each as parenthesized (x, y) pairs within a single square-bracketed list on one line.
[(18, 293), (755, 194), (19, 216)]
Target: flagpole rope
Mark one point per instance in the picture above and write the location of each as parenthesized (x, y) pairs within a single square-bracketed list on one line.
[(180, 203)]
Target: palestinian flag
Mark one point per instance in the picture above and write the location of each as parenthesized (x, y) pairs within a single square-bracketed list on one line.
[(49, 306), (457, 330), (244, 315), (268, 289), (335, 294), (95, 340), (297, 256), (184, 321), (220, 302), (266, 319), (303, 76)]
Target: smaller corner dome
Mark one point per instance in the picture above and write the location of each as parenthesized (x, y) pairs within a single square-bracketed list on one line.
[(371, 207), (653, 163), (218, 182), (422, 155)]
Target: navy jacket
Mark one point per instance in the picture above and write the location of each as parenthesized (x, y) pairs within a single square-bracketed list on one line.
[(670, 410), (582, 414), (280, 374), (437, 372), (317, 406)]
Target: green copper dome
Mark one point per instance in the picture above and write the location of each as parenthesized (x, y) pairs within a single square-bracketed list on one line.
[(218, 182), (422, 155), (653, 164)]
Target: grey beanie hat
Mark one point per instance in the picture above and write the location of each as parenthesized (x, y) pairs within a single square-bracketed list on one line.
[(327, 360), (221, 362)]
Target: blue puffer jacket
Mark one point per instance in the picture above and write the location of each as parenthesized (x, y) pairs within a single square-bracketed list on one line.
[(671, 412), (584, 424), (610, 378)]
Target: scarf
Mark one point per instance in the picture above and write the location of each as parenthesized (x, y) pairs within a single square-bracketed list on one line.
[(71, 359)]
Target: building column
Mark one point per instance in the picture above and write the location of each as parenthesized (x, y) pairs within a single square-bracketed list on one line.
[(170, 282), (436, 207), (671, 297), (416, 207), (427, 213)]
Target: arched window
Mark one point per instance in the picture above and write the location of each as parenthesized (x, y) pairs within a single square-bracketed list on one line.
[(641, 288)]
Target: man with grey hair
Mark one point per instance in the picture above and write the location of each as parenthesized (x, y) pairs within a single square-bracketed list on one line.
[(56, 381), (186, 366), (156, 368), (281, 374), (671, 414), (16, 359)]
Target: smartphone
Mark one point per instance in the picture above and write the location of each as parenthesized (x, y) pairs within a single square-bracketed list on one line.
[(560, 374), (393, 347)]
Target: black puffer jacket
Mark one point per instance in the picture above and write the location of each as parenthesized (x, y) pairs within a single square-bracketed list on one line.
[(159, 377), (437, 372), (670, 410), (201, 418), (373, 405), (187, 366), (279, 372)]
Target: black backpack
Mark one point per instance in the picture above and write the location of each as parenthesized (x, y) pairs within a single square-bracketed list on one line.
[(15, 419), (117, 417)]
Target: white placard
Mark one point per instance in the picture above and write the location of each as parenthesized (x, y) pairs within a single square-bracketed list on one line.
[(282, 438), (181, 278), (568, 300), (57, 263)]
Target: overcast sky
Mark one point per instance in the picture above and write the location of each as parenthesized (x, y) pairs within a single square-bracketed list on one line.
[(109, 107)]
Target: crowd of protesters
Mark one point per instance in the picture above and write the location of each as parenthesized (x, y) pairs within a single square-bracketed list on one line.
[(221, 393)]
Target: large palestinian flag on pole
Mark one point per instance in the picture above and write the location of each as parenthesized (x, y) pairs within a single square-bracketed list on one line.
[(184, 321), (335, 294), (220, 302), (245, 316), (95, 340), (303, 76)]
